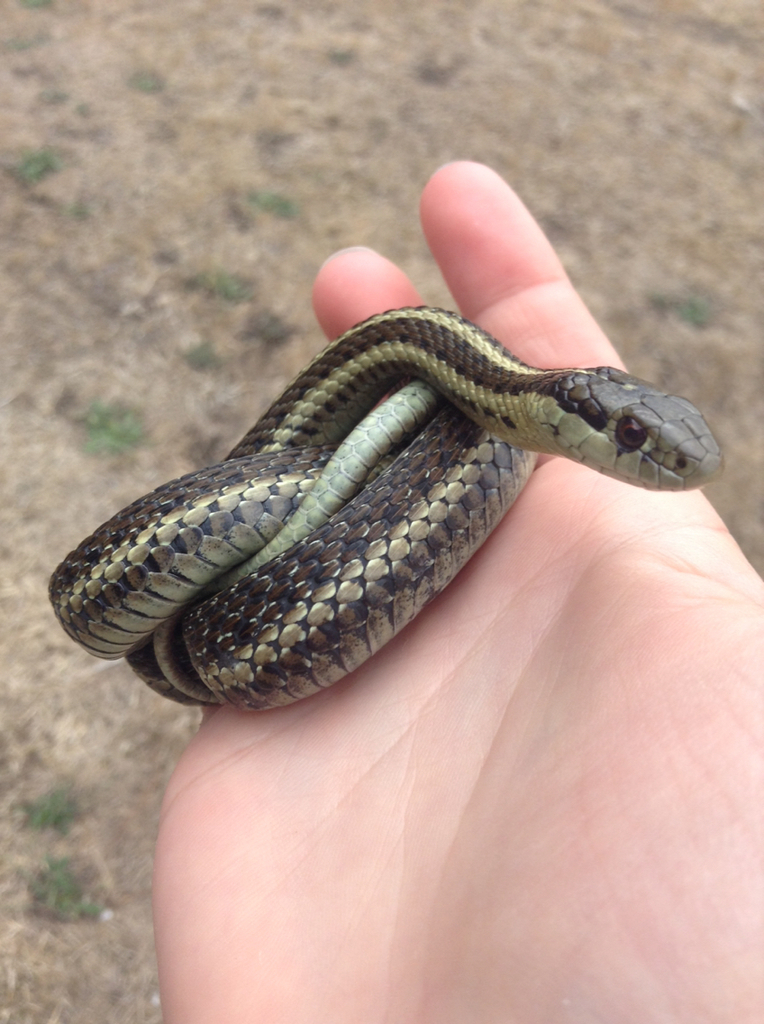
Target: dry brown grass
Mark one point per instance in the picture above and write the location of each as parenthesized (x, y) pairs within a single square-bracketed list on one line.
[(635, 133)]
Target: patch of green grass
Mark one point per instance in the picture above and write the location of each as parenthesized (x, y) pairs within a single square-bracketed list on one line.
[(273, 202), (341, 57), (36, 164), (78, 211), (695, 310), (112, 429), (202, 356), (83, 109), (35, 3), (56, 809), (56, 890), (19, 43), (54, 96), (222, 285), (146, 81), (268, 327)]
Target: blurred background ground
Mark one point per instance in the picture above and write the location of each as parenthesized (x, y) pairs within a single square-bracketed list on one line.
[(171, 177)]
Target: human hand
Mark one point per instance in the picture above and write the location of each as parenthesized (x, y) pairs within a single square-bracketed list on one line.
[(541, 801)]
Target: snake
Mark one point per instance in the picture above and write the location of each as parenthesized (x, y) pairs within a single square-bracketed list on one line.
[(162, 584)]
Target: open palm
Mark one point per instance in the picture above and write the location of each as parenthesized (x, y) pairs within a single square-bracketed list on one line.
[(540, 802)]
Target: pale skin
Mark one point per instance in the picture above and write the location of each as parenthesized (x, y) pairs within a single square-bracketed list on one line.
[(542, 801)]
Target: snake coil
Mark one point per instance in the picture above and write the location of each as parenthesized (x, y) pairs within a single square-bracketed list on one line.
[(144, 584)]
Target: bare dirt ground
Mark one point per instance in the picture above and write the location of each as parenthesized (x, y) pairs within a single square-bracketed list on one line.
[(171, 177)]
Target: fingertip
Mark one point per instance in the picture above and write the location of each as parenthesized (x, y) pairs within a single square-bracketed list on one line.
[(463, 173), (355, 283), (340, 253), (487, 244)]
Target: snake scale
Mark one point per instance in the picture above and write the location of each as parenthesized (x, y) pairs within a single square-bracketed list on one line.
[(417, 501)]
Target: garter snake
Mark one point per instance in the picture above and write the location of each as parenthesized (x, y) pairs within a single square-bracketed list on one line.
[(319, 609)]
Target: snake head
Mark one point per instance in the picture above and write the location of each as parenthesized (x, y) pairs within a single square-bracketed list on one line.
[(626, 428)]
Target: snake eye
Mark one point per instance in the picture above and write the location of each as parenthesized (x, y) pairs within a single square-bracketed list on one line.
[(630, 434)]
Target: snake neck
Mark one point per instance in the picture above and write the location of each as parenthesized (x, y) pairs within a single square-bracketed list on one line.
[(602, 417), (468, 366)]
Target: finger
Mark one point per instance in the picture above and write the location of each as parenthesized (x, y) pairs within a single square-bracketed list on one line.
[(356, 283), (503, 272)]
